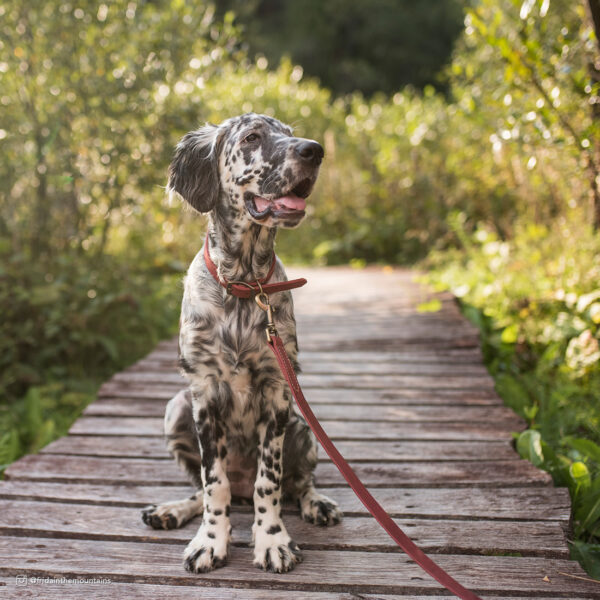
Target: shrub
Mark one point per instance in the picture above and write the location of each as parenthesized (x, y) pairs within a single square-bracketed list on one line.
[(536, 301)]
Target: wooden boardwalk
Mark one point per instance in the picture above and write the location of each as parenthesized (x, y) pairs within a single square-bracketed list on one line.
[(407, 400)]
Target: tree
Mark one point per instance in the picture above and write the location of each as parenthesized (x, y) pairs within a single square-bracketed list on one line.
[(87, 111), (367, 45), (542, 103), (594, 71)]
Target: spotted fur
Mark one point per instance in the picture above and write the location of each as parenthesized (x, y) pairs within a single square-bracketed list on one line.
[(238, 408)]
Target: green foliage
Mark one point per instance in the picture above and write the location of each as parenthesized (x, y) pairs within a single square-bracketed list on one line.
[(588, 555), (89, 117), (66, 326), (534, 297), (90, 114), (97, 141), (71, 317)]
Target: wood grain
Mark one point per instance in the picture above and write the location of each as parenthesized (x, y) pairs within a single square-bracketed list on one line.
[(387, 395), (341, 412), (143, 591), (526, 503), (337, 430), (488, 473), (357, 451), (354, 533), (356, 382), (338, 396), (321, 570)]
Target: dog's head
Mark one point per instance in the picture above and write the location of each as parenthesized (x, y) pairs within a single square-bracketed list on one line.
[(250, 167)]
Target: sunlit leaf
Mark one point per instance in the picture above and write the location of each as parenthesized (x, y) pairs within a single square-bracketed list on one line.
[(529, 446), (580, 474), (430, 306), (510, 333)]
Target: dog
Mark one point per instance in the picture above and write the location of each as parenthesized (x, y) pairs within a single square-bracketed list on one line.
[(235, 422)]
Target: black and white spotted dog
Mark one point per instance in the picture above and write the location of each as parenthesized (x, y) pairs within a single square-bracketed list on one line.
[(251, 176)]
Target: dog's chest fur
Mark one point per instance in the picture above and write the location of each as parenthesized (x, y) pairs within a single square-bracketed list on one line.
[(223, 352)]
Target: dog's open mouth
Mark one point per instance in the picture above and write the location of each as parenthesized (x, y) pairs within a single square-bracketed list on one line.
[(290, 205)]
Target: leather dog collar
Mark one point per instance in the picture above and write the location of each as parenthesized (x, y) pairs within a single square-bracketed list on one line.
[(242, 289)]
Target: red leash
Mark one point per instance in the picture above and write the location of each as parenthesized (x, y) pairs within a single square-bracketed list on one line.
[(382, 517), (260, 291)]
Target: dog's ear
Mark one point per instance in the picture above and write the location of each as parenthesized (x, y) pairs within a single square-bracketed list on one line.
[(194, 170)]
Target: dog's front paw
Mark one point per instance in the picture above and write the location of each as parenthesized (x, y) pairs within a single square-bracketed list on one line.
[(171, 515), (157, 519), (205, 552), (275, 552), (320, 510)]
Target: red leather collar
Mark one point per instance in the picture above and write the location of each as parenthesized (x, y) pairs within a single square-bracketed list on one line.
[(241, 289)]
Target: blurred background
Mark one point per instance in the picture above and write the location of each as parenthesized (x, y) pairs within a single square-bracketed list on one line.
[(460, 136)]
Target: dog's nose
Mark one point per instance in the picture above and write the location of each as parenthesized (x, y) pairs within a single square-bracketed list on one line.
[(310, 152)]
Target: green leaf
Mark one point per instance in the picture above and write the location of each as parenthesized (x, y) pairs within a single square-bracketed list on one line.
[(109, 346), (432, 306), (589, 557), (513, 393), (510, 333), (586, 447), (580, 474), (529, 446), (531, 412)]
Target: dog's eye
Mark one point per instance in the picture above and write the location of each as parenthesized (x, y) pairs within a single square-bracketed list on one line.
[(252, 137)]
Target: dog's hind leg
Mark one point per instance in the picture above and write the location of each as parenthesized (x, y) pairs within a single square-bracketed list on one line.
[(299, 462), (182, 443)]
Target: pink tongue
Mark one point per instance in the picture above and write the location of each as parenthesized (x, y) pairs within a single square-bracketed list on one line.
[(291, 202)]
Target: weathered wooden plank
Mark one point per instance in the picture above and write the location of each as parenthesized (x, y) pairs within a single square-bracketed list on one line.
[(354, 412), (139, 397), (166, 358), (341, 344), (111, 590), (337, 430), (317, 395), (167, 350), (321, 570), (357, 451), (366, 318), (403, 324), (356, 381), (353, 533), (519, 503), (402, 328), (439, 474), (533, 504), (341, 365), (508, 473), (142, 591)]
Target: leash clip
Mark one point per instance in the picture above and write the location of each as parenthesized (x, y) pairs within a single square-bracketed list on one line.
[(262, 299)]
